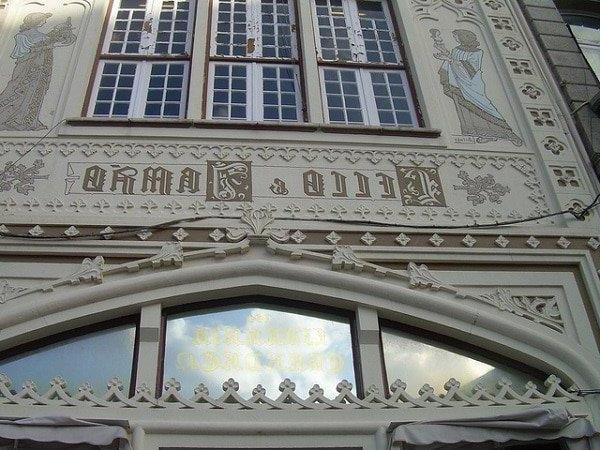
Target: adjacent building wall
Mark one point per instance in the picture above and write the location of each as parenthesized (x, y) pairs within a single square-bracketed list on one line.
[(578, 83)]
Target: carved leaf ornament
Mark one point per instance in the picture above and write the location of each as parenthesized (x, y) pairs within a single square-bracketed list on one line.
[(543, 310)]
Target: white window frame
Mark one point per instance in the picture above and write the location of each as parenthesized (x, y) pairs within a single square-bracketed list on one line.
[(367, 96), (254, 92), (139, 92), (148, 40), (254, 30), (357, 44)]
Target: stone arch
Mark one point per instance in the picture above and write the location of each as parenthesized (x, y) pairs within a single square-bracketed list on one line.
[(96, 293)]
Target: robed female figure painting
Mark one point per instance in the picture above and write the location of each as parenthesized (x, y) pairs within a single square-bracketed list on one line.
[(462, 79), (21, 99)]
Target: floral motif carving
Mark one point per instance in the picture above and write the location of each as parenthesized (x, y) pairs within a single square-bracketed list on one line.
[(258, 219), (170, 254), (20, 177), (421, 277), (466, 8), (481, 188), (541, 309), (90, 270), (344, 258), (7, 291)]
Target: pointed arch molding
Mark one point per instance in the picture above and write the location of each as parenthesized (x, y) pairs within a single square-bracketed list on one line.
[(259, 264)]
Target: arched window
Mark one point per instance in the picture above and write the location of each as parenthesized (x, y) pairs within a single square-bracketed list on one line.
[(586, 30), (81, 356), (257, 343), (418, 360)]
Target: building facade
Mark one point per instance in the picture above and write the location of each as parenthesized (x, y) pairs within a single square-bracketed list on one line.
[(300, 224)]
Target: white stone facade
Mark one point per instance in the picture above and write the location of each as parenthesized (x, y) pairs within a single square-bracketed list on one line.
[(383, 223)]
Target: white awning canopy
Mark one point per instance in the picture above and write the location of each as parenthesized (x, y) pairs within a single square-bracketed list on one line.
[(532, 424), (65, 430)]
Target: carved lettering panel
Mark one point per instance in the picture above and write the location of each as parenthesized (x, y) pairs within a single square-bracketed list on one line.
[(91, 182)]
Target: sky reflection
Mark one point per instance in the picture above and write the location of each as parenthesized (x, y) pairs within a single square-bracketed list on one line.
[(417, 363), (256, 345)]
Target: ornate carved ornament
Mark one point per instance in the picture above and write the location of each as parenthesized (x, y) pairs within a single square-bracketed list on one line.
[(467, 9), (21, 177), (288, 400), (104, 179), (543, 310), (7, 291)]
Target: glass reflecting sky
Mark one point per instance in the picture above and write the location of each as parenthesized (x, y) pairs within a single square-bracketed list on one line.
[(417, 363), (93, 358), (255, 345)]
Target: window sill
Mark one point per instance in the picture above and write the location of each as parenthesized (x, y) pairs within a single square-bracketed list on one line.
[(242, 125)]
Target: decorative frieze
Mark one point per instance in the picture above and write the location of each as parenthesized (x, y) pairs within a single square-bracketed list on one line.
[(172, 398), (376, 185)]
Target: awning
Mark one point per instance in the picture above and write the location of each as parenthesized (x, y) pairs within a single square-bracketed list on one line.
[(532, 424), (65, 430)]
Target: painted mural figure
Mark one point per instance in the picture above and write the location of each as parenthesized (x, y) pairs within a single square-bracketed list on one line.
[(21, 100), (462, 79)]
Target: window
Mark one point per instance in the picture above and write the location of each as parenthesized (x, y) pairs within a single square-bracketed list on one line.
[(586, 30), (254, 74), (257, 344), (415, 360), (253, 69), (99, 356), (362, 73), (144, 65)]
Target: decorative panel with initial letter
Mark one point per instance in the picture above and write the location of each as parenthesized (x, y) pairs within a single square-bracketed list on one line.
[(91, 182)]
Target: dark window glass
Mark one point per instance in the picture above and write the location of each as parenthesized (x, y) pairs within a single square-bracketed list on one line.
[(93, 358)]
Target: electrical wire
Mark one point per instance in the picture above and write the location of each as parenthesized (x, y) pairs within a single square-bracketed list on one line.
[(12, 163), (579, 215)]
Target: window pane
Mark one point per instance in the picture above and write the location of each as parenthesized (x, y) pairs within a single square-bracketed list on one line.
[(333, 30), (377, 32), (391, 99), (164, 97), (128, 25), (114, 95), (280, 98), (255, 344), (276, 28), (173, 27), (93, 358), (343, 101), (229, 92), (230, 36), (417, 361)]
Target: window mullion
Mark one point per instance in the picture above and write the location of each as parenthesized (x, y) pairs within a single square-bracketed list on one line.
[(149, 29), (210, 91), (255, 33), (140, 89), (355, 32), (392, 29), (293, 28), (110, 28), (190, 27), (215, 23), (254, 106), (368, 97)]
